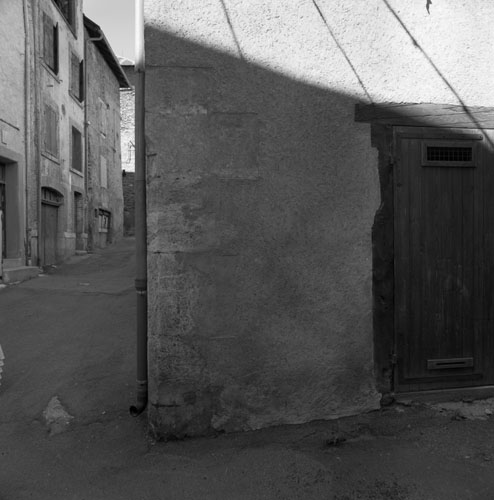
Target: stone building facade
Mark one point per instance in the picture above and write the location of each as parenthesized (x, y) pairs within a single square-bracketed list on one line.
[(127, 107), (104, 177), (270, 211), (43, 116)]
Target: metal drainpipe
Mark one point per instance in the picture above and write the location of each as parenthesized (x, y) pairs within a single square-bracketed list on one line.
[(27, 128), (37, 127), (140, 218)]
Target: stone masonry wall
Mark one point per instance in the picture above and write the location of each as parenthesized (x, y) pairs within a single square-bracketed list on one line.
[(104, 153)]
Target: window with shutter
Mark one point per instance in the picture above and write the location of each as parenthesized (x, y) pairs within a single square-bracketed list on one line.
[(67, 8), (76, 77), (51, 131), (50, 43), (81, 81), (76, 155), (104, 218), (103, 119), (103, 173)]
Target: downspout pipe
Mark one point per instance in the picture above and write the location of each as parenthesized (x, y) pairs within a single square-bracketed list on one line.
[(37, 126), (140, 218), (27, 129)]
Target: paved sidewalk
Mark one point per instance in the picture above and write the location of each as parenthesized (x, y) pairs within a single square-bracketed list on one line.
[(65, 431)]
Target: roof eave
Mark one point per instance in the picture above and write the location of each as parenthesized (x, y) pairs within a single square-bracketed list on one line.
[(106, 51)]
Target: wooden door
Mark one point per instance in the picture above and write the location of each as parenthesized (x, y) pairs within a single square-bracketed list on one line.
[(49, 217), (441, 330)]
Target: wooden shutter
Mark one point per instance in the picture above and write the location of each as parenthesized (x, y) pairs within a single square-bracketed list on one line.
[(55, 48), (67, 9), (81, 81), (76, 150), (74, 75), (48, 41), (47, 139), (51, 130)]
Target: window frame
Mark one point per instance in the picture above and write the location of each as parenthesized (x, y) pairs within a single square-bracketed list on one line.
[(103, 172), (103, 117), (104, 220), (76, 77), (51, 136), (80, 156), (51, 53), (68, 12)]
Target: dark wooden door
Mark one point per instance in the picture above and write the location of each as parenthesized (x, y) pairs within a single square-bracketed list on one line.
[(49, 217), (442, 332)]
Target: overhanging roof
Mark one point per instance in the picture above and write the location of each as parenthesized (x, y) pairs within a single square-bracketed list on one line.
[(426, 114), (106, 51)]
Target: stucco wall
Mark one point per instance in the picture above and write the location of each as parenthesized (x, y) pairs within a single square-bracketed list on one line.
[(12, 67), (12, 126), (262, 192), (103, 96)]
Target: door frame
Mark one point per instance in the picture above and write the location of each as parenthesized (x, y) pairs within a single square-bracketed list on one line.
[(49, 197), (382, 119)]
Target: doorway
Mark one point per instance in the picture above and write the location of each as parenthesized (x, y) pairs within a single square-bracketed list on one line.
[(78, 212), (443, 259), (50, 203)]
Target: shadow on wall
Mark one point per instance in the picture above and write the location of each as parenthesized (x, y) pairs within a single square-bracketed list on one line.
[(129, 203), (262, 192)]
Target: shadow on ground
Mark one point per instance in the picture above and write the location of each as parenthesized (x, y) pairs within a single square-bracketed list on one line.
[(74, 342)]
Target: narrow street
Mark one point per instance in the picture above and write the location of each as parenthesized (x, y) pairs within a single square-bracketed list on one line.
[(70, 335)]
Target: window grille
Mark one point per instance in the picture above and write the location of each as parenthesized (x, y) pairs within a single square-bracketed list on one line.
[(50, 196), (449, 153)]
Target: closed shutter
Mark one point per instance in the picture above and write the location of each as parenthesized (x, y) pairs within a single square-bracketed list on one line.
[(81, 81), (48, 41), (51, 131), (76, 150), (74, 75)]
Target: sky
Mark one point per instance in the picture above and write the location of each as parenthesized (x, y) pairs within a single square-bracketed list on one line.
[(116, 19)]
